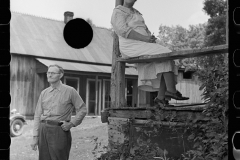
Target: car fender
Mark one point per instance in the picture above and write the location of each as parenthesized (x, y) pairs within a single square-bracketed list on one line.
[(12, 118)]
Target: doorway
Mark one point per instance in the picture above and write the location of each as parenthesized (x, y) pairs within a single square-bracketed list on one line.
[(93, 97)]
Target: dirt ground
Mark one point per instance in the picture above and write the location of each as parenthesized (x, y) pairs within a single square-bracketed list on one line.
[(82, 143)]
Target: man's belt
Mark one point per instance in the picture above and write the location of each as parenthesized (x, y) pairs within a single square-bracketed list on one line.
[(51, 122)]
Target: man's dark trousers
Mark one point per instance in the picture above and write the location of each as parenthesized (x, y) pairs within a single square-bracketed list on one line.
[(54, 142)]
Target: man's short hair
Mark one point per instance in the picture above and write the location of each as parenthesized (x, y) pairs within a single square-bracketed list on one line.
[(59, 67)]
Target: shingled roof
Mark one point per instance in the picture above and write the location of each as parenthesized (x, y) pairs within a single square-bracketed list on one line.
[(42, 37)]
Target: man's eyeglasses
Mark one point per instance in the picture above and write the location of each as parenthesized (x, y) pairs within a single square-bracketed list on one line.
[(52, 73)]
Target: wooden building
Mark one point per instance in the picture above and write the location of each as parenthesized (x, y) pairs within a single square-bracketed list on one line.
[(37, 42)]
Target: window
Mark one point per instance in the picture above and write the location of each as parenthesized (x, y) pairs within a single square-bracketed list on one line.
[(187, 75), (93, 100)]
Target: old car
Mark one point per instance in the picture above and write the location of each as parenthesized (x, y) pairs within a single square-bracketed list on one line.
[(17, 121)]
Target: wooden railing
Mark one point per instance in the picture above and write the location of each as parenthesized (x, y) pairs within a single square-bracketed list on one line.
[(177, 54)]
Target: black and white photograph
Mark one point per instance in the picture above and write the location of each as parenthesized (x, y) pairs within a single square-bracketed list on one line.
[(119, 80)]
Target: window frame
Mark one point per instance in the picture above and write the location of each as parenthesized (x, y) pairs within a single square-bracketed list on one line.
[(103, 96), (75, 78)]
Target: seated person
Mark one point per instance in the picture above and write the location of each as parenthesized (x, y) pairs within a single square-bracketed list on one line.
[(136, 40)]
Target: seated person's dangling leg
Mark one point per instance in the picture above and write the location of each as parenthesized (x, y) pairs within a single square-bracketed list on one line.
[(160, 99), (171, 91)]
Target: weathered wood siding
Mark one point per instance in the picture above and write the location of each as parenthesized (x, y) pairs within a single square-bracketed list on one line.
[(25, 84), (189, 88)]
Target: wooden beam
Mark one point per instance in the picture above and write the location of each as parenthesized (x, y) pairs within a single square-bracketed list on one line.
[(96, 95), (178, 54), (118, 73), (146, 114), (117, 77)]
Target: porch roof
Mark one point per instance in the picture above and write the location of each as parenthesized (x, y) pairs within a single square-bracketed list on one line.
[(71, 66)]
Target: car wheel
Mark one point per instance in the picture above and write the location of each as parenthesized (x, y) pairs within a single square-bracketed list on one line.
[(16, 128)]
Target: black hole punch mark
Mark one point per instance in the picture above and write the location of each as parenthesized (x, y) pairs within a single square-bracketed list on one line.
[(236, 97), (78, 33), (236, 57)]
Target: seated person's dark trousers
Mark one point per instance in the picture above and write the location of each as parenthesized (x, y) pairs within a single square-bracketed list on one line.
[(54, 142)]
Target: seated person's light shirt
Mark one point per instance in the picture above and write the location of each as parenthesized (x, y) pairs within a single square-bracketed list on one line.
[(123, 21)]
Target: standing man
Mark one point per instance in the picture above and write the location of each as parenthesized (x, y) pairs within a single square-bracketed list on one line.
[(52, 119)]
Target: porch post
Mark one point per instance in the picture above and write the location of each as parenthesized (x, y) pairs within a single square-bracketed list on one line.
[(96, 94), (118, 73)]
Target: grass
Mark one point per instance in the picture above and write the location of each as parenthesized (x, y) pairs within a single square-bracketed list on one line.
[(82, 140)]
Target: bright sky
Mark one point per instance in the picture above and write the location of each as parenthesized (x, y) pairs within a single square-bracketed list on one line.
[(155, 12)]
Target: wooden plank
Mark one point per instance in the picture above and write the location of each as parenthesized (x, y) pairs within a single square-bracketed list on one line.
[(117, 74), (133, 108), (189, 107), (163, 123), (178, 54), (193, 106), (130, 113)]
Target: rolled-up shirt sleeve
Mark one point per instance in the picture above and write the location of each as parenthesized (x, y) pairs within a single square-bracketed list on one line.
[(81, 109), (37, 116), (119, 23)]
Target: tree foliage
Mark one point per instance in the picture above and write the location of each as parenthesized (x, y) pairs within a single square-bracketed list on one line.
[(179, 38), (216, 28)]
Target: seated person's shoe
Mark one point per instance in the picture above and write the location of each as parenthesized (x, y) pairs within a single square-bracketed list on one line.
[(161, 103), (176, 96)]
